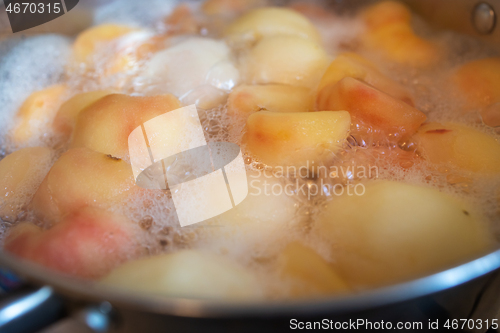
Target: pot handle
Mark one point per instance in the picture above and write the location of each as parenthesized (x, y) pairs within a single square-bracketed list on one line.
[(29, 310)]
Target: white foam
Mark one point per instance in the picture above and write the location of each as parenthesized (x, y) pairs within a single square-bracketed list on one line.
[(133, 12), (28, 65)]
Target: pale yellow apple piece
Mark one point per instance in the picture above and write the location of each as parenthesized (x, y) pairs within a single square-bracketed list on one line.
[(82, 177), (287, 60), (310, 274), (479, 82), (272, 21), (459, 146), (385, 13), (20, 175), (396, 231), (105, 125), (36, 111), (297, 139), (65, 119), (187, 274), (89, 40), (245, 100)]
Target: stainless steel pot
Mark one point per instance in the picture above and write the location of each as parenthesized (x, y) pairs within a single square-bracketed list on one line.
[(470, 290)]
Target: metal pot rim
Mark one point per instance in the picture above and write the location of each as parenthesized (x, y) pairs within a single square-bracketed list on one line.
[(400, 292)]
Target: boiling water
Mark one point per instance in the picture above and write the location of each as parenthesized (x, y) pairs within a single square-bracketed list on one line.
[(41, 61)]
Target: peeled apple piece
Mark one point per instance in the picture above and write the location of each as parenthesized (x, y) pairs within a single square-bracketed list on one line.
[(272, 21), (479, 81), (298, 138), (310, 274), (187, 274), (371, 107), (357, 67), (245, 100), (79, 178), (389, 33), (113, 48), (459, 146), (36, 111), (20, 174), (269, 208), (228, 8), (287, 60), (491, 115), (399, 43), (88, 243), (106, 124), (397, 231), (65, 119), (386, 13), (88, 41), (191, 68)]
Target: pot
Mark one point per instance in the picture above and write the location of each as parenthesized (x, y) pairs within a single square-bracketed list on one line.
[(467, 291)]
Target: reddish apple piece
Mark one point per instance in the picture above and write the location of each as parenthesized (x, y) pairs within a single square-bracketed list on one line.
[(82, 177), (20, 174), (298, 139), (87, 244), (38, 109), (459, 146), (391, 117), (68, 112), (357, 67), (106, 125)]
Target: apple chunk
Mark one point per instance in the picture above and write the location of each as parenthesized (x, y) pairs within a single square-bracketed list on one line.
[(310, 274), (36, 111), (88, 41), (20, 175), (389, 33), (65, 119), (187, 273), (396, 231), (459, 146), (272, 21), (269, 208), (87, 244), (106, 125), (371, 107), (79, 178), (286, 60), (353, 65), (245, 100), (479, 81), (386, 13), (296, 139), (228, 8)]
